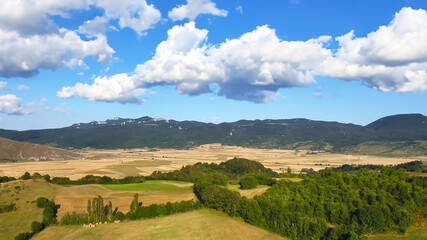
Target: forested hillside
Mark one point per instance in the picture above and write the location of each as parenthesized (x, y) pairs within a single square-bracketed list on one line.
[(407, 133)]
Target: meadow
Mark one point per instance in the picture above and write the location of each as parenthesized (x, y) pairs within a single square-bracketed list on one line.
[(201, 224)]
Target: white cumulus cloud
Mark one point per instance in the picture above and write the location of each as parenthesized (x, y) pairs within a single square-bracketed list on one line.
[(252, 67), (194, 8), (12, 105), (30, 40), (118, 88), (393, 58)]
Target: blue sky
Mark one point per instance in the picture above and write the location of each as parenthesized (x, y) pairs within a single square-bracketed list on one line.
[(210, 60)]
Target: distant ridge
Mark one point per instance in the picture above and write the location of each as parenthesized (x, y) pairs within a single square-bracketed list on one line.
[(296, 133), (400, 121)]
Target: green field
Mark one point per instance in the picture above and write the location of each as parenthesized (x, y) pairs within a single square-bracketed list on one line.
[(153, 185), (23, 194), (201, 224), (413, 234)]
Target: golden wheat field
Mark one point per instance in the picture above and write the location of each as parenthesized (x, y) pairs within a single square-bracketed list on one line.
[(123, 162)]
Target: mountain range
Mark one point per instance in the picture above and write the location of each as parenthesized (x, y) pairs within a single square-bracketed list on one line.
[(404, 129)]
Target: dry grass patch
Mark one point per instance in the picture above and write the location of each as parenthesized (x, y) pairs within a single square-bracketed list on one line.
[(201, 224)]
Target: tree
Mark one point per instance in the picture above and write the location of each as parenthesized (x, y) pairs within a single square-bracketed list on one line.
[(42, 202), (135, 204), (26, 176), (36, 227), (248, 181)]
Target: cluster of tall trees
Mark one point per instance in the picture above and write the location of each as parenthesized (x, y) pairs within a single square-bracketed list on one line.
[(327, 205), (98, 212)]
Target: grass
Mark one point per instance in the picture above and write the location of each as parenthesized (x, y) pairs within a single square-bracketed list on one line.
[(201, 224), (153, 185), (249, 193), (23, 194), (74, 198), (413, 234)]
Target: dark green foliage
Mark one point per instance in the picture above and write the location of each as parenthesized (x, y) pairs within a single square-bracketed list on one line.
[(147, 132), (7, 208), (414, 166), (221, 199), (42, 202), (36, 227), (23, 236), (26, 176), (6, 179), (232, 169), (106, 213), (363, 202), (49, 213), (248, 181), (49, 217), (91, 179)]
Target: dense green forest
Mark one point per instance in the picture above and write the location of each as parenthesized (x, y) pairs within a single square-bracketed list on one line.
[(327, 205)]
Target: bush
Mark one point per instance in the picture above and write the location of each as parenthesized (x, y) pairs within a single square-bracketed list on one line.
[(42, 202), (248, 181), (26, 176), (23, 236), (36, 227)]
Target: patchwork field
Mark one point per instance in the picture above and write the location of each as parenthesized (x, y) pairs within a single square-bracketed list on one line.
[(201, 224), (74, 198), (121, 163), (23, 194)]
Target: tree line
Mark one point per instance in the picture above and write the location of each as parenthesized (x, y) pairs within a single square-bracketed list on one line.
[(97, 211)]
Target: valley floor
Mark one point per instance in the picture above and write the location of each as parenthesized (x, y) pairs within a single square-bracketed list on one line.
[(120, 163)]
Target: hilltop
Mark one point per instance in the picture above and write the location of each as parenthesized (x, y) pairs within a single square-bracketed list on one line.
[(296, 133)]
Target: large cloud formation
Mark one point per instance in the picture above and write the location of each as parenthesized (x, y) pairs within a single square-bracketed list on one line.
[(194, 8), (252, 67), (30, 40), (393, 58), (12, 105)]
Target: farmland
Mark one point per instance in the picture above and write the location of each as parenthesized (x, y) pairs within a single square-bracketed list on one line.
[(127, 162), (74, 198)]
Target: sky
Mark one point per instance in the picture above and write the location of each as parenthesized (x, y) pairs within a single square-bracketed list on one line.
[(70, 61)]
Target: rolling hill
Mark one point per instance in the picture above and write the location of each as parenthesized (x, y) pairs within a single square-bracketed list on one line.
[(13, 151), (284, 134)]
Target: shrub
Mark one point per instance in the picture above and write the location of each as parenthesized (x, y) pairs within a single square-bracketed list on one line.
[(248, 181), (42, 202)]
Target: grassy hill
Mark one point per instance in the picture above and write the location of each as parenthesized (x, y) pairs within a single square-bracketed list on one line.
[(201, 224), (23, 194), (13, 151)]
